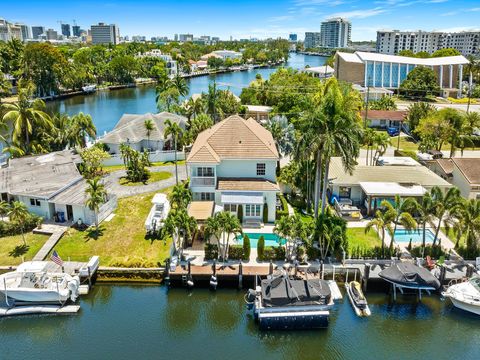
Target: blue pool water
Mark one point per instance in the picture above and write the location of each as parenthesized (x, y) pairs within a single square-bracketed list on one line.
[(404, 236), (270, 239)]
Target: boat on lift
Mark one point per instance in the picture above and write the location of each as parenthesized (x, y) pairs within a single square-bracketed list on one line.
[(357, 298), (158, 213), (465, 295), (32, 283)]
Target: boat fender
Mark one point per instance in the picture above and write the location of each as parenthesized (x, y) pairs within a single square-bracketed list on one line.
[(213, 282), (190, 283), (258, 290), (251, 295)]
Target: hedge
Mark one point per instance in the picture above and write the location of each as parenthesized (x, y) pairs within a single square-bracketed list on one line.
[(211, 251), (246, 247), (13, 228), (274, 253), (235, 252), (240, 213), (265, 213), (468, 253), (284, 212), (260, 247)]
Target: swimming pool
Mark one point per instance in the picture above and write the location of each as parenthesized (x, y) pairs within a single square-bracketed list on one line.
[(403, 236), (270, 239)]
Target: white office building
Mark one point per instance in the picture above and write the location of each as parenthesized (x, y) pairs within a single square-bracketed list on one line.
[(105, 34), (393, 41), (335, 33)]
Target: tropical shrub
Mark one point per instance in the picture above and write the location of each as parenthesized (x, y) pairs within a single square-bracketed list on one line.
[(240, 213), (235, 252), (265, 213), (284, 211), (261, 247), (468, 253), (211, 251), (274, 253), (433, 251), (246, 247), (8, 228)]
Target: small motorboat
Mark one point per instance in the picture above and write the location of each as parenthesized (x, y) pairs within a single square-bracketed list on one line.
[(33, 284), (158, 213), (465, 295), (87, 89), (357, 299)]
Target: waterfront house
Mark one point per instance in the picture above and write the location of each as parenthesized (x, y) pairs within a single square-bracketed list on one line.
[(463, 173), (389, 71), (321, 72), (233, 164), (51, 186), (385, 118), (367, 186), (223, 54), (130, 130)]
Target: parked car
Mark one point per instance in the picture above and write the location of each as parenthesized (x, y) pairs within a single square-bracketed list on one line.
[(393, 131), (435, 154)]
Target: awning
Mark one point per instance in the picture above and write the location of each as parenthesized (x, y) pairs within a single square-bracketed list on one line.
[(242, 198), (201, 210), (391, 189)]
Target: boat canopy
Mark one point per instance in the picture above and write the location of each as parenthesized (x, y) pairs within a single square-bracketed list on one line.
[(408, 275)]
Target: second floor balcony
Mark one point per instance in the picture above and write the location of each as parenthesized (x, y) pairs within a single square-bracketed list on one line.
[(207, 181)]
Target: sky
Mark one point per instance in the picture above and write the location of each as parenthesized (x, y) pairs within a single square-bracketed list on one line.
[(249, 18)]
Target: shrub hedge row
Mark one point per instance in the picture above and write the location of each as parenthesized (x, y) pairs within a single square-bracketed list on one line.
[(13, 228)]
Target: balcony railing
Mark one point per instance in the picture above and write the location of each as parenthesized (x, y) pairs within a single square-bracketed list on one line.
[(202, 181)]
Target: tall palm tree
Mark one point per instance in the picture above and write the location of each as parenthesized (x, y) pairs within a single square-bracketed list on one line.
[(211, 102), (125, 152), (96, 196), (468, 223), (194, 107), (424, 210), (173, 129), (180, 196), (83, 128), (149, 127), (383, 221), (4, 208), (25, 116), (198, 124), (402, 217), (444, 204), (229, 224), (368, 140), (381, 140), (180, 84), (283, 228), (213, 228), (19, 213)]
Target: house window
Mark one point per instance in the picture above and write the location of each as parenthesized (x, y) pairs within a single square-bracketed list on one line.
[(35, 202), (252, 210), (344, 192), (230, 207), (261, 169), (204, 196), (205, 172)]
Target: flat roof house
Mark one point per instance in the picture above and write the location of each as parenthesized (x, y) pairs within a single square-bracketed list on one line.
[(130, 129), (367, 186), (389, 71), (233, 164), (51, 184)]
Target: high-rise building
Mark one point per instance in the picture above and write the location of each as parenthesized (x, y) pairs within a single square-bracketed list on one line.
[(37, 31), (312, 40), (66, 30), (394, 41), (76, 30), (292, 37), (25, 30), (9, 31), (185, 37), (105, 34), (335, 33), (51, 34)]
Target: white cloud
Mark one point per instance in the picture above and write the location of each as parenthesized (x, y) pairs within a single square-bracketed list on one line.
[(300, 3), (359, 14), (280, 18)]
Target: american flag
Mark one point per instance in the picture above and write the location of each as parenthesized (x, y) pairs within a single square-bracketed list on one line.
[(56, 258)]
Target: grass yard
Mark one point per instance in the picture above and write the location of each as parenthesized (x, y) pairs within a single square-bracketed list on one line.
[(154, 177), (112, 168), (121, 241), (406, 143), (14, 242), (358, 239)]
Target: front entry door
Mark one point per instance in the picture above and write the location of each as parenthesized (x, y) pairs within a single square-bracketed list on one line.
[(69, 213)]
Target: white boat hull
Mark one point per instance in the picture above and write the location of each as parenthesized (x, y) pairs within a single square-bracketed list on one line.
[(36, 296), (475, 309), (359, 312)]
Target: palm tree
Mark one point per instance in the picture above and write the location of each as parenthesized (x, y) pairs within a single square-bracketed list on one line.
[(283, 228), (198, 124), (180, 196), (381, 140), (383, 221), (173, 129), (25, 116), (213, 228), (444, 205), (83, 127), (211, 102), (96, 196), (467, 215), (4, 208), (194, 107), (401, 209), (18, 213), (149, 127), (180, 84), (125, 152), (368, 140), (425, 211), (229, 224), (283, 133), (181, 226)]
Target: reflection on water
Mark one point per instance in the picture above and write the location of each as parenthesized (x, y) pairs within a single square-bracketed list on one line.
[(124, 322)]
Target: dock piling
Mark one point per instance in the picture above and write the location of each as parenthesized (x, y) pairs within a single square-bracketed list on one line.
[(322, 269), (366, 275), (443, 274), (270, 270), (240, 275)]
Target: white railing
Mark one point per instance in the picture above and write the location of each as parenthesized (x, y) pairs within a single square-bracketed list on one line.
[(154, 156), (202, 181)]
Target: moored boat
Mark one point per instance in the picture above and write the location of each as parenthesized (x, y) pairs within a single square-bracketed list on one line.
[(158, 213), (465, 295), (89, 89), (357, 298)]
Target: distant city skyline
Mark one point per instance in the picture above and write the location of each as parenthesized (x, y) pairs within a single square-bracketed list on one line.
[(265, 19)]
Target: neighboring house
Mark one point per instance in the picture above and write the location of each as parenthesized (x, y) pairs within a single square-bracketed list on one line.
[(463, 173), (322, 72), (385, 118), (223, 54), (171, 65), (130, 129), (260, 113), (51, 186), (367, 186), (233, 164)]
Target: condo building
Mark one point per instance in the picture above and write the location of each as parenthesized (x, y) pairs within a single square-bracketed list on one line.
[(37, 31), (394, 41), (335, 33), (312, 40), (105, 34)]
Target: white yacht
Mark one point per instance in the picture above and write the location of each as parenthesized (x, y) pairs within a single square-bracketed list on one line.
[(158, 213), (465, 295), (32, 283)]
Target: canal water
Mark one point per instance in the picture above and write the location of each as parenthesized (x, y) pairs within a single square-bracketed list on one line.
[(106, 107), (152, 322)]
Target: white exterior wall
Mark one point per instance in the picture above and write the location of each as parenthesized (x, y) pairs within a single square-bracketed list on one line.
[(43, 210), (465, 188), (356, 193), (246, 169)]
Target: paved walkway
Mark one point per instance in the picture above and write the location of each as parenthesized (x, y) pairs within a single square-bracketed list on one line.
[(124, 191)]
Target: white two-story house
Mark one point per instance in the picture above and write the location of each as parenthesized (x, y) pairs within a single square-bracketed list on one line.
[(233, 164)]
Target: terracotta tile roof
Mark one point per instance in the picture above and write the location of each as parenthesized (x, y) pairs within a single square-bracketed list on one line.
[(470, 168), (246, 184), (233, 138), (394, 115)]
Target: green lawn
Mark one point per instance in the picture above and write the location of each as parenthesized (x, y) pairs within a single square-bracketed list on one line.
[(358, 238), (121, 241), (10, 243), (406, 143), (154, 177), (111, 168)]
